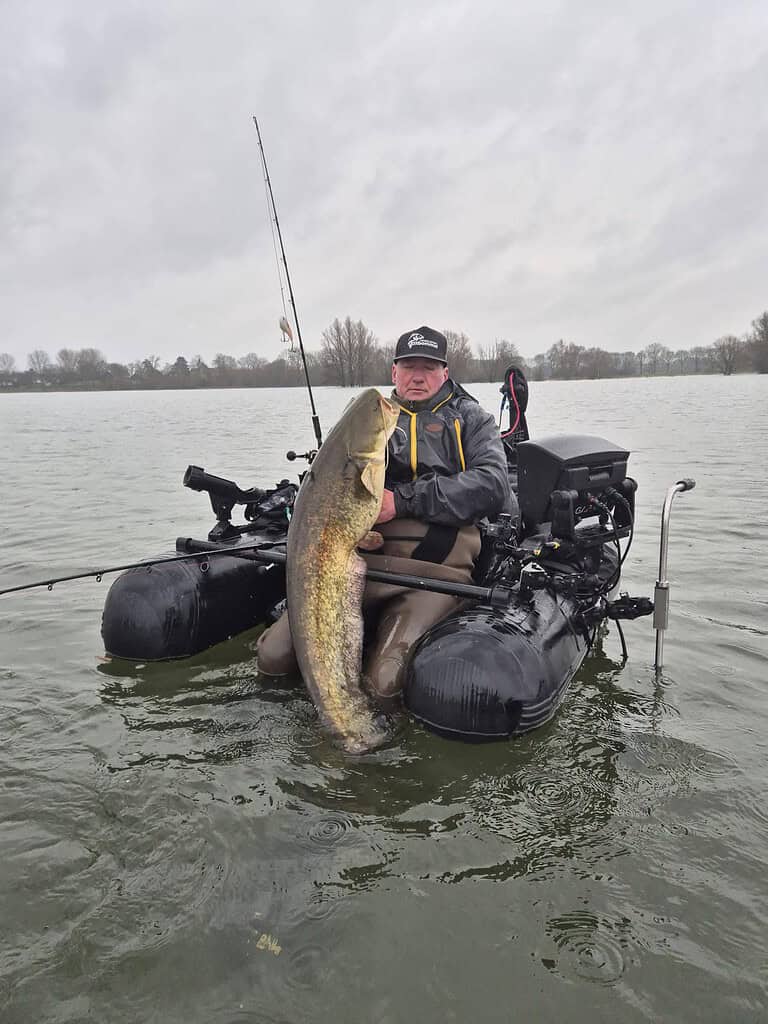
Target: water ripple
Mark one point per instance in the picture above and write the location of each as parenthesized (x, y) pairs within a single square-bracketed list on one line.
[(306, 965), (548, 791), (292, 980), (591, 948), (322, 904), (329, 830), (663, 766)]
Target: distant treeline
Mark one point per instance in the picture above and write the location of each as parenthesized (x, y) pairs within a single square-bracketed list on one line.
[(350, 355)]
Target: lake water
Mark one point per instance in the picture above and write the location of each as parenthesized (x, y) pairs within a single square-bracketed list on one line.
[(180, 843)]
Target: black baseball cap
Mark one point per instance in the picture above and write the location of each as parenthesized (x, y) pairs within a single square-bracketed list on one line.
[(423, 343)]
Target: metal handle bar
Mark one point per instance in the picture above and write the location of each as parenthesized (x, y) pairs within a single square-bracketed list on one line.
[(661, 591)]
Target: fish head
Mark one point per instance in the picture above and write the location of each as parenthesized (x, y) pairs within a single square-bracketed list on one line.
[(368, 736), (371, 420)]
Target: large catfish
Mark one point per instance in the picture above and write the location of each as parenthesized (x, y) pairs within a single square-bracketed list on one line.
[(337, 505)]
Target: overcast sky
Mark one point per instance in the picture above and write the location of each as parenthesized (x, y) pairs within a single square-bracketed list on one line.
[(588, 170)]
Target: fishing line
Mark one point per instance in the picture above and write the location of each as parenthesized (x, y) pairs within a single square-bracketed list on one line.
[(315, 417), (277, 256)]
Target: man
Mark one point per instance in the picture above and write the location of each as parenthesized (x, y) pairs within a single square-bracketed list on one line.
[(446, 471)]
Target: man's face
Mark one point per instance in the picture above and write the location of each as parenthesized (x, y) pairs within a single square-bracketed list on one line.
[(418, 379)]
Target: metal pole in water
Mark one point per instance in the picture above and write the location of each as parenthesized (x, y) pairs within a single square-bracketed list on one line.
[(661, 591)]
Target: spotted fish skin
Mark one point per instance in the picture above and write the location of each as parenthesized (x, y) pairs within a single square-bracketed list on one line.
[(337, 505)]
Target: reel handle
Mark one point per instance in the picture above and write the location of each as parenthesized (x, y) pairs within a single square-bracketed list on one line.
[(309, 456)]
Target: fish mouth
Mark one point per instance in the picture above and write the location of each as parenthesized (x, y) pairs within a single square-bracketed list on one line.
[(390, 413), (386, 405), (359, 745)]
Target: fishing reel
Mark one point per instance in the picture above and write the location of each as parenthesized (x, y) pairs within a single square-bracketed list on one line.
[(500, 555)]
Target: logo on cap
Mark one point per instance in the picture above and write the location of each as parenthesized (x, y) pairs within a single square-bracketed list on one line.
[(419, 339)]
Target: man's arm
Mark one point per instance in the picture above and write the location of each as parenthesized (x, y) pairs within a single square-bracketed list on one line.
[(482, 489)]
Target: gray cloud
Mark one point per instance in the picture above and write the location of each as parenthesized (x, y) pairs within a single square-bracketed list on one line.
[(526, 171)]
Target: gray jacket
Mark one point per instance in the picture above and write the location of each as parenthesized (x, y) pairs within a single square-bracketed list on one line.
[(446, 460)]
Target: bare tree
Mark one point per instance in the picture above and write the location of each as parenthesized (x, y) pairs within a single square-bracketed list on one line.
[(388, 352), (556, 359), (701, 357), (565, 360), (460, 356), (380, 368), (494, 359), (652, 355), (296, 365), (251, 361), (598, 363), (67, 360), (541, 367), (91, 364), (366, 343), (39, 362), (726, 351), (225, 368), (681, 359), (335, 354), (759, 343), (348, 350), (7, 363), (628, 364)]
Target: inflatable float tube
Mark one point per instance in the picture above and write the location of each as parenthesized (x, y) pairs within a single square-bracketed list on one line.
[(484, 672)]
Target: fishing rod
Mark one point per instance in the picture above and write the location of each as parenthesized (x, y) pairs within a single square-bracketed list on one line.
[(147, 564), (273, 211), (498, 596)]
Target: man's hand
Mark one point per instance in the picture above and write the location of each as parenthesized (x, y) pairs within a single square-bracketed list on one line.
[(387, 507)]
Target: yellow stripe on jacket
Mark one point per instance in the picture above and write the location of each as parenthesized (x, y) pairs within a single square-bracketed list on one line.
[(457, 428)]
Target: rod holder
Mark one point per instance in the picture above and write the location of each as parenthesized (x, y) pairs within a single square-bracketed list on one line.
[(661, 591)]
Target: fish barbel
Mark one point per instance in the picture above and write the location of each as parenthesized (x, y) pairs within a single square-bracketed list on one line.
[(338, 503)]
